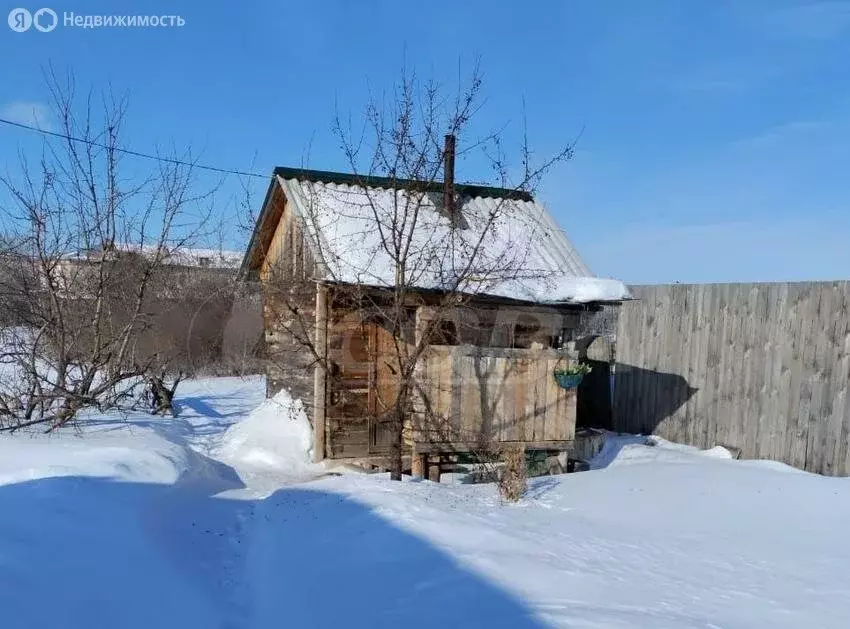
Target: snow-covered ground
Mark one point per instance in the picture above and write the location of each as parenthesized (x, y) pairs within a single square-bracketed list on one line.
[(217, 519)]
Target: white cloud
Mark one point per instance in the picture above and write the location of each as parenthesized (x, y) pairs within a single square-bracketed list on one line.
[(31, 113)]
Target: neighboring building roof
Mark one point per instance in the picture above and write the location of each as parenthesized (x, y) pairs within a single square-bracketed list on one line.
[(190, 257), (521, 254), (213, 258)]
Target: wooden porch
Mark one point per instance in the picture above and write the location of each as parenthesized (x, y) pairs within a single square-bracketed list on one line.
[(468, 399), (478, 397)]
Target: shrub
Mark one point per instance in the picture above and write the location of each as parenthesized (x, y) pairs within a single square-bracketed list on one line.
[(513, 479)]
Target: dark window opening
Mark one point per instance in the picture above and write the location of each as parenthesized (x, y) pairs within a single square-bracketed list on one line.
[(525, 332), (560, 340), (335, 341), (445, 333)]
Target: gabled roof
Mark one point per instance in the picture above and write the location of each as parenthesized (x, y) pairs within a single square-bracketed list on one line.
[(522, 254)]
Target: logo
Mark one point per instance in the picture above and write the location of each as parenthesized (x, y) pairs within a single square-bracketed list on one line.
[(20, 20), (45, 20)]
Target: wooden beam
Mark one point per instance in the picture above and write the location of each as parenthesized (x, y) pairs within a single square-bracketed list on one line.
[(446, 448), (320, 373), (380, 461)]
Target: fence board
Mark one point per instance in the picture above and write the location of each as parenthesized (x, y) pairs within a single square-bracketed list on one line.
[(841, 408), (762, 368)]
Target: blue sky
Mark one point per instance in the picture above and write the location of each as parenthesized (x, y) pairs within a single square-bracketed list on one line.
[(714, 136)]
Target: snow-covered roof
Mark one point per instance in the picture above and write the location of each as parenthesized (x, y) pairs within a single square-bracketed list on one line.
[(183, 256), (215, 258), (516, 248)]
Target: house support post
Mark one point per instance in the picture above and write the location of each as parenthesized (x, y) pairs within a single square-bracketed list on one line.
[(434, 469), (418, 464), (419, 460), (320, 373)]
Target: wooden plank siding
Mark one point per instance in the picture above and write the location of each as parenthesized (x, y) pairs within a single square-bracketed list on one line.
[(479, 396), (761, 368), (285, 273)]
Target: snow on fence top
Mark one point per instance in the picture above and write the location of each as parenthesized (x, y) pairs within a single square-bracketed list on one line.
[(508, 246)]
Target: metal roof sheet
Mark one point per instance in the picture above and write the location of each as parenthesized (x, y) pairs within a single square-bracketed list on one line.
[(520, 251)]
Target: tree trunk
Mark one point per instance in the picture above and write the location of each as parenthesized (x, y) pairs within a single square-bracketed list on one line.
[(397, 442)]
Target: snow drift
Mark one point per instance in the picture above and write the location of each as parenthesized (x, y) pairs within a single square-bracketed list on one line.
[(619, 450), (665, 536), (277, 435), (146, 459)]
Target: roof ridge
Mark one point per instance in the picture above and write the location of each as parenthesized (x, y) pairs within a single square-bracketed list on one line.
[(372, 181)]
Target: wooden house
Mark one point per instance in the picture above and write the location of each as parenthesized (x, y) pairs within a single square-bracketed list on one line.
[(487, 369)]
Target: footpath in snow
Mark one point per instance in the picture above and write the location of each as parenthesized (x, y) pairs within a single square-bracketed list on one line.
[(217, 519)]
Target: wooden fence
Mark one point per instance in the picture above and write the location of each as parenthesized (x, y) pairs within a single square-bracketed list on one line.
[(762, 368), (482, 395)]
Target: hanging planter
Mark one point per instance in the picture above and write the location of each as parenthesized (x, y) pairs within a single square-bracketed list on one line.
[(571, 376)]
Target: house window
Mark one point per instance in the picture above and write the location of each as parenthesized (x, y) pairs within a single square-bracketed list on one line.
[(560, 340), (445, 333), (204, 261), (525, 332)]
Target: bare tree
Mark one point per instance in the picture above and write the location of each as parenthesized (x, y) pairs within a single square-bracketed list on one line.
[(412, 246), (88, 241)]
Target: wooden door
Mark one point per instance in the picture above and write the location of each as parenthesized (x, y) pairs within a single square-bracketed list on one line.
[(384, 392), (363, 389)]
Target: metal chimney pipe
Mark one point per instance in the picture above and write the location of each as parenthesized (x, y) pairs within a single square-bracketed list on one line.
[(449, 176)]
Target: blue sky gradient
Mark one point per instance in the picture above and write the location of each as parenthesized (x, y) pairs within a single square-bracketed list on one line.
[(714, 136)]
